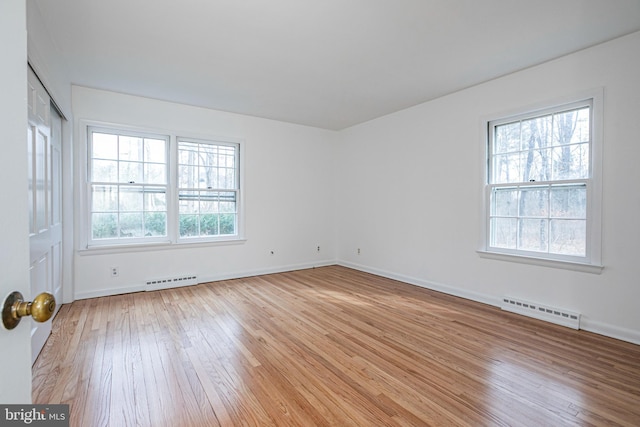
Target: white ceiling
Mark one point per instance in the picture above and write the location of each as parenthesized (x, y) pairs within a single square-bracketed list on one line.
[(323, 63)]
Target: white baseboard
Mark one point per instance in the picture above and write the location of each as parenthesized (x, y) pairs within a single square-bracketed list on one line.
[(109, 292), (586, 324), (141, 287), (607, 330), (473, 296), (262, 271)]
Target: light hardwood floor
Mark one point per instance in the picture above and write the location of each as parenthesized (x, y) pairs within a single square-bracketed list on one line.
[(329, 347)]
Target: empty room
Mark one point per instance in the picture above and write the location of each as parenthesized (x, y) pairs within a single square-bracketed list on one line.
[(320, 213)]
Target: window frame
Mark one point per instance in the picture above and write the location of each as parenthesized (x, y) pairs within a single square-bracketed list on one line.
[(237, 189), (591, 262), (90, 183), (88, 245)]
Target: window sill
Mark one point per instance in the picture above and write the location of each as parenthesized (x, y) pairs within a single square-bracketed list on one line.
[(159, 246), (552, 263)]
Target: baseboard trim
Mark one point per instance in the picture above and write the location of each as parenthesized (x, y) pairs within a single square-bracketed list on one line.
[(110, 292), (141, 287), (439, 287), (610, 331), (586, 324), (262, 271)]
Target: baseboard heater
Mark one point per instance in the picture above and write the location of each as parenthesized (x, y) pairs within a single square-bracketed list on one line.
[(171, 282), (542, 312)]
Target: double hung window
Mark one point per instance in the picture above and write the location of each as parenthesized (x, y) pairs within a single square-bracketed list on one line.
[(148, 188), (128, 185), (540, 184), (208, 186)]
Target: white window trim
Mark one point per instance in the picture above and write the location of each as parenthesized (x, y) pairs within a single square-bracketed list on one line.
[(592, 263), (238, 191), (171, 241), (166, 186)]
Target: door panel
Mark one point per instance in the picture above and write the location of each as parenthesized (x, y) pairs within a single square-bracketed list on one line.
[(45, 229)]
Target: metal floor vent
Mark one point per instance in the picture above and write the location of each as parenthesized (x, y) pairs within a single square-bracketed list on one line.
[(171, 282), (542, 312)]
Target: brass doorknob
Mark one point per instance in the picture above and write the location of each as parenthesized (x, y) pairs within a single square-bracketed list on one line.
[(15, 308)]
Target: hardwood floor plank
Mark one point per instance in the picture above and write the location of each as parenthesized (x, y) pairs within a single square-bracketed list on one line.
[(327, 347)]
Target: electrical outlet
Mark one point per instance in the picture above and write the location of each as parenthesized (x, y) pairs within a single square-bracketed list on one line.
[(318, 249), (358, 251), (114, 271)]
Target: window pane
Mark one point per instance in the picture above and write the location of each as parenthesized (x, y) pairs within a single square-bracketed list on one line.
[(227, 178), (155, 173), (188, 225), (188, 153), (532, 235), (208, 155), (104, 171), (568, 237), (507, 138), (131, 224), (229, 157), (209, 225), (130, 148), (569, 202), (208, 177), (536, 133), (534, 202), (131, 198), (188, 177), (506, 168), (536, 165), (104, 198), (188, 202), (571, 162), (582, 132), (227, 224), (104, 225), (208, 202), (505, 202), (155, 224), (130, 172), (503, 233), (155, 150), (571, 127), (155, 200), (104, 146), (228, 207)]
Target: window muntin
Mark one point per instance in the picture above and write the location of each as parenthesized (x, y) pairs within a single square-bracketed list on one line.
[(539, 181), (208, 186), (127, 186)]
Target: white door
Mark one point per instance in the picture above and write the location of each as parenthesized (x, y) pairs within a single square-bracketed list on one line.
[(15, 363), (44, 200)]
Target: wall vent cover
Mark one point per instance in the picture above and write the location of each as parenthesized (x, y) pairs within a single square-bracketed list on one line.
[(542, 312), (171, 282)]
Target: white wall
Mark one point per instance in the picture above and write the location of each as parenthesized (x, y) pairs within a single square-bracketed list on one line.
[(46, 60), (411, 186), (288, 195)]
